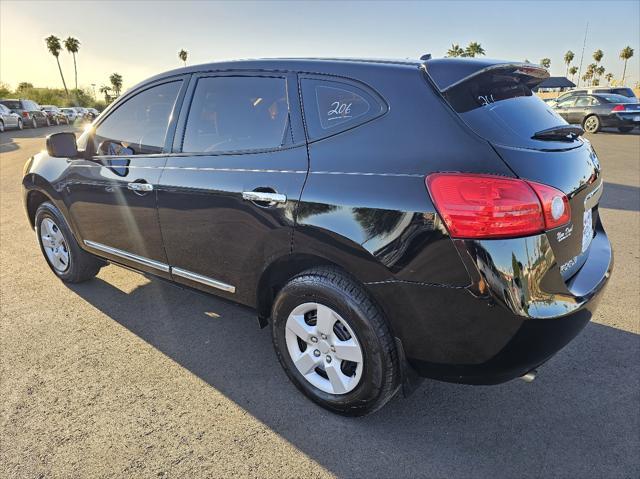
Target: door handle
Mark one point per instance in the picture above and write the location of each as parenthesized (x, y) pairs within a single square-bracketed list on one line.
[(141, 187), (264, 197)]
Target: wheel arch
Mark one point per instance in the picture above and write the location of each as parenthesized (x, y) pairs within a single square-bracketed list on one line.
[(278, 273)]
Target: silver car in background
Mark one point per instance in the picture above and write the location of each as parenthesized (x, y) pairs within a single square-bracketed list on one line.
[(9, 119)]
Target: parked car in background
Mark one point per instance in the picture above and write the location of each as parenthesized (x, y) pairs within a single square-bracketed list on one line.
[(624, 91), (93, 113), (388, 219), (31, 114), (55, 114), (9, 119), (82, 113), (70, 113), (599, 110)]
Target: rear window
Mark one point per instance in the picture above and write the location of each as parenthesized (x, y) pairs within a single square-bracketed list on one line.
[(618, 99), (628, 92), (500, 106), (12, 104), (331, 107)]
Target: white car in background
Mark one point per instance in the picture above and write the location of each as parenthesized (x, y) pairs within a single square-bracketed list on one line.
[(71, 114)]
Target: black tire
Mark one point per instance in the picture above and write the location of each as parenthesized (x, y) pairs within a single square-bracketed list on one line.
[(20, 124), (57, 121), (1, 126), (625, 129), (82, 266), (48, 122), (380, 371), (591, 124), (34, 123)]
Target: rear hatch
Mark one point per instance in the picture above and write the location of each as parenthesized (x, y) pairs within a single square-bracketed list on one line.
[(496, 101)]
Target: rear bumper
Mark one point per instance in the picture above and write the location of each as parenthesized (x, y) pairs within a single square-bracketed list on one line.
[(506, 322)]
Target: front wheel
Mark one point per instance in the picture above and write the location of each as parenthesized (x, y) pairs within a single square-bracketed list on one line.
[(34, 123), (592, 124), (625, 129), (48, 121), (1, 126), (334, 343), (65, 258), (20, 125)]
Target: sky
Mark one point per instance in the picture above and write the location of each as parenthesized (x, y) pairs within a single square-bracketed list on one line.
[(139, 39)]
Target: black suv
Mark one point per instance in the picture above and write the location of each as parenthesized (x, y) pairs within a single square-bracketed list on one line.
[(30, 112), (390, 220)]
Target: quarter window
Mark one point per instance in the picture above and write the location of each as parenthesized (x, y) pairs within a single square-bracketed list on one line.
[(234, 113), (139, 125), (332, 106)]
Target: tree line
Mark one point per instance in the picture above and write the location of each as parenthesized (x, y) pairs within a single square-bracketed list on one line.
[(593, 73), (72, 45)]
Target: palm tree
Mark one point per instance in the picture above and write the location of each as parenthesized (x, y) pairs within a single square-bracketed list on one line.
[(625, 54), (568, 58), (72, 45), (587, 76), (600, 71), (609, 77), (116, 83), (473, 49), (104, 89), (572, 71), (545, 62), (597, 55), (182, 55), (595, 82), (455, 51), (53, 44)]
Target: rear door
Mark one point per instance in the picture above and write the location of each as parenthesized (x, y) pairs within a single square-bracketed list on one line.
[(580, 109), (565, 108), (498, 104), (227, 195)]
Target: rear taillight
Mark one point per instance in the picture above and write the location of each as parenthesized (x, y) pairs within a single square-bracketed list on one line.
[(618, 108), (485, 206), (25, 114)]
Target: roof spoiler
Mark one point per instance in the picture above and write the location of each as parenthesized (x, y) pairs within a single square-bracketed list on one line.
[(447, 73)]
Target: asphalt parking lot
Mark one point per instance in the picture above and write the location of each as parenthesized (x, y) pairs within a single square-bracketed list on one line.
[(126, 376)]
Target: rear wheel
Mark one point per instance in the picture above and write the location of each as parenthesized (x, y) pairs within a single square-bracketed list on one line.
[(1, 126), (34, 123), (334, 343), (59, 247), (592, 124), (57, 121), (48, 121), (20, 125), (625, 129)]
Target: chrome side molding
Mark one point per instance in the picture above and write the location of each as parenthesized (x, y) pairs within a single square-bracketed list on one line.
[(183, 273), (130, 256), (198, 278)]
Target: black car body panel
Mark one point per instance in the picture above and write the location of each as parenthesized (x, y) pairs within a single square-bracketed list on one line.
[(576, 108), (348, 194)]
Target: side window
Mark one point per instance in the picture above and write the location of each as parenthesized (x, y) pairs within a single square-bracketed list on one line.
[(334, 106), (139, 125), (583, 101), (234, 113), (567, 102)]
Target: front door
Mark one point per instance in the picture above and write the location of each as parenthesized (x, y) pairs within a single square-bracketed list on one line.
[(111, 193), (226, 197)]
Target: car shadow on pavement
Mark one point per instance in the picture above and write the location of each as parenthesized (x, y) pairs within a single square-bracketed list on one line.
[(620, 197), (579, 418)]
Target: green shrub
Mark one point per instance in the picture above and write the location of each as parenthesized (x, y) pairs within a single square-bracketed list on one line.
[(53, 96)]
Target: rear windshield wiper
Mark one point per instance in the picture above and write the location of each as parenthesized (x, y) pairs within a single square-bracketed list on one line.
[(559, 133)]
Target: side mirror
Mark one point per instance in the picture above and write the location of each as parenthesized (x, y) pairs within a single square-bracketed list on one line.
[(62, 145)]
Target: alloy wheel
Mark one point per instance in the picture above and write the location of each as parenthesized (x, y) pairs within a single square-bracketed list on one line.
[(591, 124), (55, 245), (34, 123), (324, 348), (1, 127), (20, 125)]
